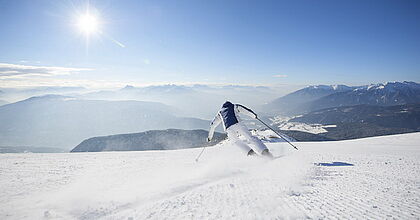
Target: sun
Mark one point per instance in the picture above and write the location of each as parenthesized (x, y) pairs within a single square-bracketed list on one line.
[(88, 23)]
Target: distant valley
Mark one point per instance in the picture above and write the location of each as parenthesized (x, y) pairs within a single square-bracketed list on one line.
[(360, 121)]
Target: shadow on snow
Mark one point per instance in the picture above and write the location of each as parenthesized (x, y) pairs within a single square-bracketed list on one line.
[(334, 164)]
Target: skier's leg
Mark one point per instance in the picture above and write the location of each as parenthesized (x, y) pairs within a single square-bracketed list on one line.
[(233, 136), (257, 143)]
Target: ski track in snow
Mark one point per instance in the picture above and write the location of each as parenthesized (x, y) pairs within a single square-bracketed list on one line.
[(372, 178)]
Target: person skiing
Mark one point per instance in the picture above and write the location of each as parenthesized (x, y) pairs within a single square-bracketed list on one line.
[(229, 117)]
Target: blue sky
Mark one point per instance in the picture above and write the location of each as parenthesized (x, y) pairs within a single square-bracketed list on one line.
[(221, 42)]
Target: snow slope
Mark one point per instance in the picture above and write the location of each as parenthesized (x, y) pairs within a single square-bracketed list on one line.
[(372, 178)]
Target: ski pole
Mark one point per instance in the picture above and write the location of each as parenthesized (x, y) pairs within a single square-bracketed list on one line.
[(277, 133), (196, 159)]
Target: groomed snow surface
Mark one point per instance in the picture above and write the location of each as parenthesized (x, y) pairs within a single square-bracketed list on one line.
[(372, 178)]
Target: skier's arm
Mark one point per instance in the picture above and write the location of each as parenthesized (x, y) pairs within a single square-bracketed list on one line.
[(216, 121), (246, 111)]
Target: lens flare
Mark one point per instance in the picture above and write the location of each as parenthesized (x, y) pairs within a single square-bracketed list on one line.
[(88, 23)]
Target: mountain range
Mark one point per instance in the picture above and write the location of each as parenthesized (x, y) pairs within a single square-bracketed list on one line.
[(200, 101), (407, 115), (314, 98), (63, 121), (169, 139), (350, 122)]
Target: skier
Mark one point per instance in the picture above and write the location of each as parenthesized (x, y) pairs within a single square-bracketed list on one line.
[(228, 116)]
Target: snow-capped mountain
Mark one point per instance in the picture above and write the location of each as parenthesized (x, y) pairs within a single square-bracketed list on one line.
[(63, 121), (320, 97), (169, 139), (391, 93)]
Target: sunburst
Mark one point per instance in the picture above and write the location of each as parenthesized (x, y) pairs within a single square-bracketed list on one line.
[(88, 23)]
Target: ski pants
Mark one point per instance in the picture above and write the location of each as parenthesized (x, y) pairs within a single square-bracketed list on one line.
[(234, 133)]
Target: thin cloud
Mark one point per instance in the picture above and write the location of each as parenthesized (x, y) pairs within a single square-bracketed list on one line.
[(8, 70), (280, 76), (38, 81), (29, 61)]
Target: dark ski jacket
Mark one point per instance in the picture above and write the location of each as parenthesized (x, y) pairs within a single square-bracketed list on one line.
[(228, 116)]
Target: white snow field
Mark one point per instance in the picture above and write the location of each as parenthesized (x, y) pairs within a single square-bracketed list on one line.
[(371, 178)]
